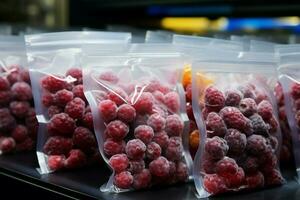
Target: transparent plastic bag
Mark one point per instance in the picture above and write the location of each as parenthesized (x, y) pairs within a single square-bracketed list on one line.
[(238, 124), (262, 46), (158, 37), (65, 137), (139, 104), (18, 124)]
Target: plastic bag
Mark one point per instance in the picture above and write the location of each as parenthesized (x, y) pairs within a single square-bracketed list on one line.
[(138, 103), (158, 37), (65, 137), (244, 40), (262, 46), (238, 125), (18, 125)]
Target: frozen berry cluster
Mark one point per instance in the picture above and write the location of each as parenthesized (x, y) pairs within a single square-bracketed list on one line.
[(143, 133), (18, 123), (295, 95), (286, 148), (240, 150), (71, 142)]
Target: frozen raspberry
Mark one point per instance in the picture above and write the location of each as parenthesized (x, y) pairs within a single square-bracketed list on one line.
[(87, 120), (268, 161), (160, 109), (24, 74), (174, 125), (260, 96), (174, 149), (159, 96), (7, 144), (61, 124), (144, 103), (123, 180), (182, 172), (160, 167), (135, 149), (108, 110), (53, 110), (216, 147), (214, 184), (274, 177), (84, 139), (20, 133), (214, 99), (208, 165), (118, 96), (4, 84), (233, 97), (142, 179), (272, 124), (19, 108), (144, 133), (53, 84), (247, 91), (21, 91), (295, 91), (75, 73), (25, 145), (57, 145), (259, 126), (7, 121), (5, 97), (112, 147), (126, 113), (236, 141), (136, 166), (273, 142), (109, 77), (14, 75), (250, 165), (265, 109), (215, 125), (117, 130), (256, 145), (141, 120), (48, 99), (248, 128), (62, 97), (248, 107), (161, 138), (153, 151), (255, 180), (119, 162), (56, 162), (172, 101), (75, 108), (233, 118), (157, 122), (75, 159), (205, 112), (236, 180), (226, 167), (188, 93), (278, 91), (189, 111)]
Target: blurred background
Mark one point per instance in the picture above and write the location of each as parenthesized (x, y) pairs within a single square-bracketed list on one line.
[(219, 18)]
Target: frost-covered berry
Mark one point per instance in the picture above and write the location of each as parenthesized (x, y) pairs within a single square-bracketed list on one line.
[(136, 166), (265, 109), (75, 159), (172, 101), (75, 73), (161, 138), (214, 98), (58, 145), (112, 147), (61, 124), (174, 125), (160, 167), (62, 97), (236, 141), (216, 148), (248, 107), (142, 180), (144, 103), (135, 149), (157, 122), (233, 97), (259, 126), (226, 167), (19, 108), (21, 91), (126, 113), (119, 162), (256, 144), (144, 133), (123, 180), (254, 180), (174, 149), (117, 130), (75, 108), (56, 162), (215, 125), (20, 133), (182, 172), (84, 139), (214, 184), (153, 151), (108, 110)]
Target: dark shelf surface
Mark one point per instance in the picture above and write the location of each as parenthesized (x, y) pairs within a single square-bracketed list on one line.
[(85, 183)]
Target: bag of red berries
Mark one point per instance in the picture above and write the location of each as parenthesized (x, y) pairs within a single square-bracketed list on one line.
[(65, 138), (18, 124), (289, 78), (237, 119), (139, 107)]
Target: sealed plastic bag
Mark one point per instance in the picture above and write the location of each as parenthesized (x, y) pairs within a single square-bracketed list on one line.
[(65, 138), (18, 125), (139, 106), (238, 123), (158, 37)]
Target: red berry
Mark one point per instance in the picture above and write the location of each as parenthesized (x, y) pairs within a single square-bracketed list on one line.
[(161, 138), (278, 91), (236, 141), (248, 107), (75, 73), (153, 151), (236, 180), (61, 124), (53, 83), (87, 120), (7, 121), (214, 184), (53, 110), (182, 172), (14, 74), (233, 118), (215, 125), (24, 74), (123, 180), (56, 162), (136, 166), (260, 96), (26, 145), (265, 109), (19, 108), (157, 122), (247, 91), (62, 97), (172, 101), (273, 125), (174, 125), (20, 133), (160, 167), (117, 130), (295, 91), (7, 144), (143, 104), (118, 96), (5, 97), (226, 167), (75, 108), (142, 179), (233, 97), (214, 99), (78, 92), (75, 159), (108, 110), (256, 145), (255, 180), (109, 77), (4, 84), (174, 149), (208, 165), (144, 133), (84, 139), (58, 145), (250, 165), (135, 149), (159, 97), (21, 91), (48, 99), (112, 147), (216, 148), (274, 177), (119, 162), (126, 113)]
